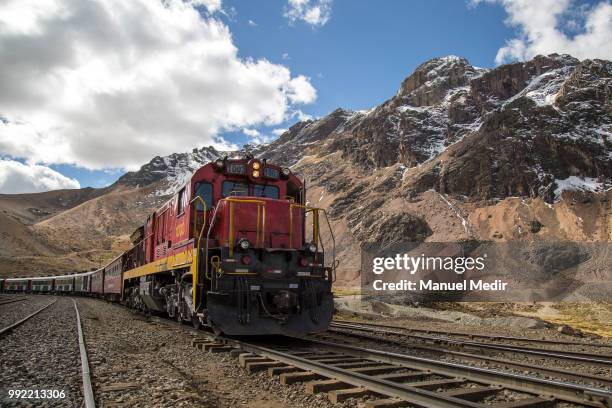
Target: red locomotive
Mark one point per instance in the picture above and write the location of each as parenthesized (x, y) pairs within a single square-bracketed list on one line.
[(233, 249)]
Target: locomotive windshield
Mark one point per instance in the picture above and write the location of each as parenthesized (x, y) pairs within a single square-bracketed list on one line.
[(237, 188), (260, 190)]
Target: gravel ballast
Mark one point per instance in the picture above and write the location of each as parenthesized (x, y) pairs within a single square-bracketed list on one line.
[(42, 354)]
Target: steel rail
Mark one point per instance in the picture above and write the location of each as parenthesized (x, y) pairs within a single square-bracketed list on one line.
[(88, 395), (573, 393), (589, 358), (473, 335), (566, 374), (25, 319), (12, 301)]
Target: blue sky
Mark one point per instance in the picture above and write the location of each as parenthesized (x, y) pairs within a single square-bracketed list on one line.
[(359, 58), (355, 54)]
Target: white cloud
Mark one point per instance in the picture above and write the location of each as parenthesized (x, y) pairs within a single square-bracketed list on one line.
[(286, 56), (251, 132), (299, 90), (300, 116), (109, 83), (314, 12), (544, 26), (252, 23), (256, 136), (212, 6), (278, 132), (18, 178)]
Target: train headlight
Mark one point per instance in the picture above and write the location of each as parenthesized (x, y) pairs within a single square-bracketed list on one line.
[(286, 172), (219, 164), (256, 165), (256, 173), (312, 247), (244, 244)]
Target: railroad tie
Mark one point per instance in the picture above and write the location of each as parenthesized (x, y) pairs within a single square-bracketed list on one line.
[(196, 341), (273, 371), (536, 402), (433, 384), (292, 378), (473, 393), (218, 348), (358, 364), (315, 387), (202, 345), (387, 403), (256, 366), (336, 360), (339, 396), (320, 357), (401, 377), (378, 369), (304, 353), (245, 358)]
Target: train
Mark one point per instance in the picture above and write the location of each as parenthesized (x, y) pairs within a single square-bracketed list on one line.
[(237, 248)]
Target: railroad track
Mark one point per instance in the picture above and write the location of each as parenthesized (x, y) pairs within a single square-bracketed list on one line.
[(573, 356), (25, 319), (88, 395), (87, 389), (498, 363), (492, 337), (395, 379), (345, 371), (4, 302)]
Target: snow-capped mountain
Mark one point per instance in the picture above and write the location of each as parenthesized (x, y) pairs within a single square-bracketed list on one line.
[(171, 172), (531, 128), (523, 129)]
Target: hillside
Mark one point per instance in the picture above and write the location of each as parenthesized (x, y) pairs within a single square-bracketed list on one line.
[(68, 230), (520, 152)]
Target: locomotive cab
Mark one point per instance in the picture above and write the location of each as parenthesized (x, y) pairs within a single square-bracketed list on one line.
[(264, 268)]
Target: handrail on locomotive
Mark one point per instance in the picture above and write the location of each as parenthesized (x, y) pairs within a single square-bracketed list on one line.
[(260, 234), (194, 275)]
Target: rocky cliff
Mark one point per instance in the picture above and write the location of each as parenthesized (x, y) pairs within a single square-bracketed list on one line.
[(519, 152)]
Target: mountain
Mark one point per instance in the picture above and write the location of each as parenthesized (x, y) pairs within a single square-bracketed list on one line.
[(519, 152), (524, 129), (170, 172)]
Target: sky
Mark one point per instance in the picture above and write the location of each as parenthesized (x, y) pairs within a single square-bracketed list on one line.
[(89, 90)]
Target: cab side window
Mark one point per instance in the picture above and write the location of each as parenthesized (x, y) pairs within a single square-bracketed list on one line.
[(181, 202), (205, 191), (294, 192)]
